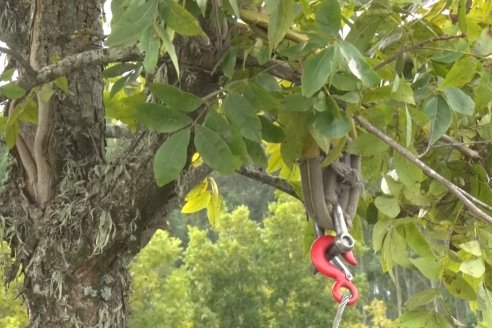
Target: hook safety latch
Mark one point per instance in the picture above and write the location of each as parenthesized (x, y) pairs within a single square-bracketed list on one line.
[(319, 255)]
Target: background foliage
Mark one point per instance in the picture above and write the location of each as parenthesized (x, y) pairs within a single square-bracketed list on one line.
[(418, 71)]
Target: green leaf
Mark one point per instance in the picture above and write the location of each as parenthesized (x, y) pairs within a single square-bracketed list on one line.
[(159, 118), (329, 125), (423, 319), (329, 17), (177, 99), (402, 91), (357, 64), (439, 114), (483, 45), (461, 73), (472, 247), (243, 116), (150, 45), (393, 252), (46, 92), (214, 150), (118, 69), (62, 84), (11, 131), (126, 29), (124, 108), (421, 298), (408, 173), (281, 16), (235, 7), (389, 206), (12, 91), (316, 71), (295, 128), (474, 268), (257, 154), (483, 92), (367, 144), (459, 101), (297, 103), (168, 45), (417, 241), (365, 27), (271, 132), (7, 74), (458, 286), (379, 232), (179, 19), (428, 266), (170, 158)]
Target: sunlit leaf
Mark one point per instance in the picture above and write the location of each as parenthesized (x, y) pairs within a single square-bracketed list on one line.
[(357, 64), (387, 205), (474, 268), (12, 91), (483, 45), (428, 266), (461, 73)]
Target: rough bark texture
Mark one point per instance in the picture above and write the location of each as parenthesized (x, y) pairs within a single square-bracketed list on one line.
[(72, 220)]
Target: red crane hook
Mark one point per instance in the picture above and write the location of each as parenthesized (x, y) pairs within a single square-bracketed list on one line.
[(319, 250)]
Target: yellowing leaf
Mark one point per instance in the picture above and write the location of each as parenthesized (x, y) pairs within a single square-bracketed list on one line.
[(472, 247), (215, 205), (474, 268), (461, 73), (275, 162), (198, 189), (198, 203)]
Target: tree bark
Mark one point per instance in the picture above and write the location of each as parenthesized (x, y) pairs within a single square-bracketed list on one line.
[(72, 220)]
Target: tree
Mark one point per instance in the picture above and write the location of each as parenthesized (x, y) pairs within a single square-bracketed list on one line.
[(191, 77)]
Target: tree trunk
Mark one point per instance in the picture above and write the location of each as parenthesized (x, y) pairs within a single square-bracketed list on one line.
[(73, 221)]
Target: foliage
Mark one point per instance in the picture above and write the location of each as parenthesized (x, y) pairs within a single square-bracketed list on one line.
[(12, 311), (418, 71), (251, 276), (406, 68)]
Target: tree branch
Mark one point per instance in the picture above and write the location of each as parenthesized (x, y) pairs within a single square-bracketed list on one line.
[(79, 61), (18, 57), (270, 180), (470, 153), (415, 47), (467, 199)]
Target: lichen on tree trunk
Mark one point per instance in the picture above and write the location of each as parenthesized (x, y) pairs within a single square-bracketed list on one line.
[(74, 225)]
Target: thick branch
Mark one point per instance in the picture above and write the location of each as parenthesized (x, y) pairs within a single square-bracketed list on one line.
[(462, 195), (270, 180), (79, 61), (470, 153)]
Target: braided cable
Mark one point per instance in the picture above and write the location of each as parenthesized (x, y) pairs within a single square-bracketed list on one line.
[(341, 308)]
